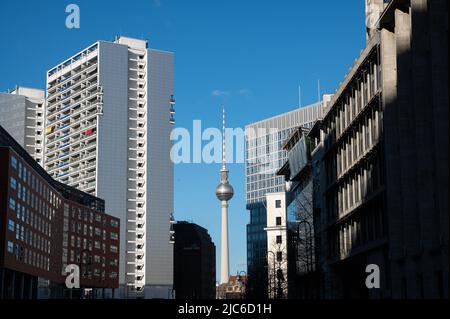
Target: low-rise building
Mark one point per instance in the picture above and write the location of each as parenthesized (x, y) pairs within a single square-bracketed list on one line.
[(235, 288)]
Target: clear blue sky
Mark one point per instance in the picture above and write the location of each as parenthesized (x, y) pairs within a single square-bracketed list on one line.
[(256, 52)]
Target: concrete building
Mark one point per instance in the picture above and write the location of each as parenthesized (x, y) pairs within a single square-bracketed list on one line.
[(277, 246), (109, 113), (194, 262), (383, 154), (235, 288), (264, 155), (45, 226), (22, 116)]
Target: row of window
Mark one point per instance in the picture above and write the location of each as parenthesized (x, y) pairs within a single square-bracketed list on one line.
[(86, 243), (87, 215), (357, 231), (364, 86), (28, 217), (29, 256), (29, 237), (260, 195), (33, 182), (358, 142), (84, 257), (356, 188), (86, 271)]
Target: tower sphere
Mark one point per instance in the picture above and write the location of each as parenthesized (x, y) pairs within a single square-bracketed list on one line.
[(224, 191)]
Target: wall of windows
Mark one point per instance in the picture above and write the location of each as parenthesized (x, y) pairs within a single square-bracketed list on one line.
[(354, 162)]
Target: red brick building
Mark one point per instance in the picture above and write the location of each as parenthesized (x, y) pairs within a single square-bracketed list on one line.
[(45, 225)]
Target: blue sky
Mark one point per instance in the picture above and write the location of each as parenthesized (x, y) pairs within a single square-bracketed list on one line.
[(250, 55)]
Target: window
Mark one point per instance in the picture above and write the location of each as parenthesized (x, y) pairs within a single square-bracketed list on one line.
[(114, 236), (12, 203), (114, 223), (10, 247), (279, 256), (18, 211), (278, 203), (13, 183), (11, 225), (14, 162), (279, 239), (17, 231), (280, 275), (278, 221), (113, 249)]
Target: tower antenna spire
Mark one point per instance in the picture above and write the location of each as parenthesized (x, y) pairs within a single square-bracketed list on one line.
[(299, 96), (224, 161)]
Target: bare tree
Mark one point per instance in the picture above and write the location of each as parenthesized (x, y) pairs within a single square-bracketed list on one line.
[(304, 226), (277, 263)]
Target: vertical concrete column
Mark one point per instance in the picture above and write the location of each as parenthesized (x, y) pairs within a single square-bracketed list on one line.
[(30, 288), (22, 286), (394, 212), (2, 283), (13, 284)]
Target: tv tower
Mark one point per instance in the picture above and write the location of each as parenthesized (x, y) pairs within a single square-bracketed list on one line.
[(224, 193)]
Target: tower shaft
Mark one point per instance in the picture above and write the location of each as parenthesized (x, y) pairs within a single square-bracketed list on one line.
[(224, 261)]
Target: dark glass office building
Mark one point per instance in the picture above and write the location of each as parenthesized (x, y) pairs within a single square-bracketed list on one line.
[(194, 262)]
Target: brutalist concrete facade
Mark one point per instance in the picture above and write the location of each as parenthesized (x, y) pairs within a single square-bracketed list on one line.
[(384, 150)]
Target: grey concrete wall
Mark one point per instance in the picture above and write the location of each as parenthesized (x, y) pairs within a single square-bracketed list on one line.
[(113, 137), (159, 252)]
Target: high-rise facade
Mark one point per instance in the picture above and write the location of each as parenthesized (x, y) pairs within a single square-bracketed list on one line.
[(108, 118), (264, 156), (22, 116)]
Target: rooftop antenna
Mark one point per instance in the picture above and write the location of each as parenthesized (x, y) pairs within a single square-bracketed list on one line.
[(318, 90), (224, 165), (299, 96)]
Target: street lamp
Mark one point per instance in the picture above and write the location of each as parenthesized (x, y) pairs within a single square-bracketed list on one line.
[(242, 283)]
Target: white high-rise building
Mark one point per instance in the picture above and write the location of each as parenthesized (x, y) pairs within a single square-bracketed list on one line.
[(22, 115), (109, 114)]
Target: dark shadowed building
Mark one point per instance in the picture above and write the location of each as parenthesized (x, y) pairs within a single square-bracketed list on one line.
[(382, 160), (194, 262)]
